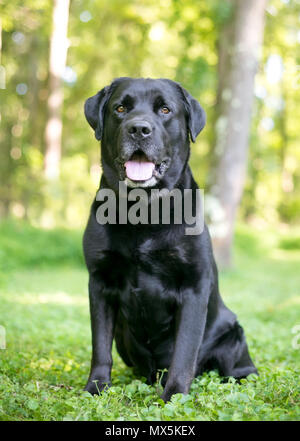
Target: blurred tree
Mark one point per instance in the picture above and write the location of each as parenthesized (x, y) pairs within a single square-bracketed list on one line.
[(57, 64), (238, 55), (189, 41), (0, 39)]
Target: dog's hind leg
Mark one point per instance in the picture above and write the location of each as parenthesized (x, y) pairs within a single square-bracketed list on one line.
[(244, 366), (230, 355)]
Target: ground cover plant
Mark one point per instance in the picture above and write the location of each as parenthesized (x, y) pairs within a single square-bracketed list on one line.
[(44, 313)]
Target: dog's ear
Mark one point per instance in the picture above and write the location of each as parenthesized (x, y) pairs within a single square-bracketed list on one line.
[(196, 114), (94, 110)]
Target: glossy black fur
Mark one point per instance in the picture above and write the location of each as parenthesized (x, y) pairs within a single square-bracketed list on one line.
[(152, 287)]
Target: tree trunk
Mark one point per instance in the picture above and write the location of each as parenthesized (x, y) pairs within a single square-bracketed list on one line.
[(232, 127), (224, 48), (287, 184), (33, 99), (2, 70), (57, 63), (0, 40)]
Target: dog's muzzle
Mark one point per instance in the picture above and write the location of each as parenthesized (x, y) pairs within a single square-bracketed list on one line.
[(140, 171)]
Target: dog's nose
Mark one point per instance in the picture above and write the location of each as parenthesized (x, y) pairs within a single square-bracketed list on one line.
[(139, 129)]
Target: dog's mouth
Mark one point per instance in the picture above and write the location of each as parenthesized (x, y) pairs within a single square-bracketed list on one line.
[(139, 169)]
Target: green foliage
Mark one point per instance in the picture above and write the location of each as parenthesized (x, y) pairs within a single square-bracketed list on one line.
[(290, 243), (108, 39), (24, 246), (46, 363), (272, 188), (289, 209)]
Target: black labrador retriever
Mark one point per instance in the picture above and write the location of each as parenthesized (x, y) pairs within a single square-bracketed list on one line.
[(153, 287)]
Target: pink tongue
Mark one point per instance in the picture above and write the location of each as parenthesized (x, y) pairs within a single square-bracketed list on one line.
[(139, 170)]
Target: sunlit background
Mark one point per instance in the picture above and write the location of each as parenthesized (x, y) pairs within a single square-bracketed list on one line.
[(104, 39)]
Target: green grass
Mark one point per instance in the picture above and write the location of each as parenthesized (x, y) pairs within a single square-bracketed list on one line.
[(44, 309)]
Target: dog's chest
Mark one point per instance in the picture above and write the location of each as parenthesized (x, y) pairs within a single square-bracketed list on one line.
[(148, 307), (146, 279), (153, 284)]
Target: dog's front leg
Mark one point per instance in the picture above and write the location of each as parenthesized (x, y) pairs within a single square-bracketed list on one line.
[(191, 322), (103, 316)]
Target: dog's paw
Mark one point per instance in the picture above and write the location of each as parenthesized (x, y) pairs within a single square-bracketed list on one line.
[(166, 396), (95, 387), (173, 389)]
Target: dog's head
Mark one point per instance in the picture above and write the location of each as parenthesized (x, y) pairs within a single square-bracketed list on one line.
[(144, 126)]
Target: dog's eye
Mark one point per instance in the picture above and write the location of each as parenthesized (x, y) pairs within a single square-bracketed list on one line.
[(165, 110), (121, 109)]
